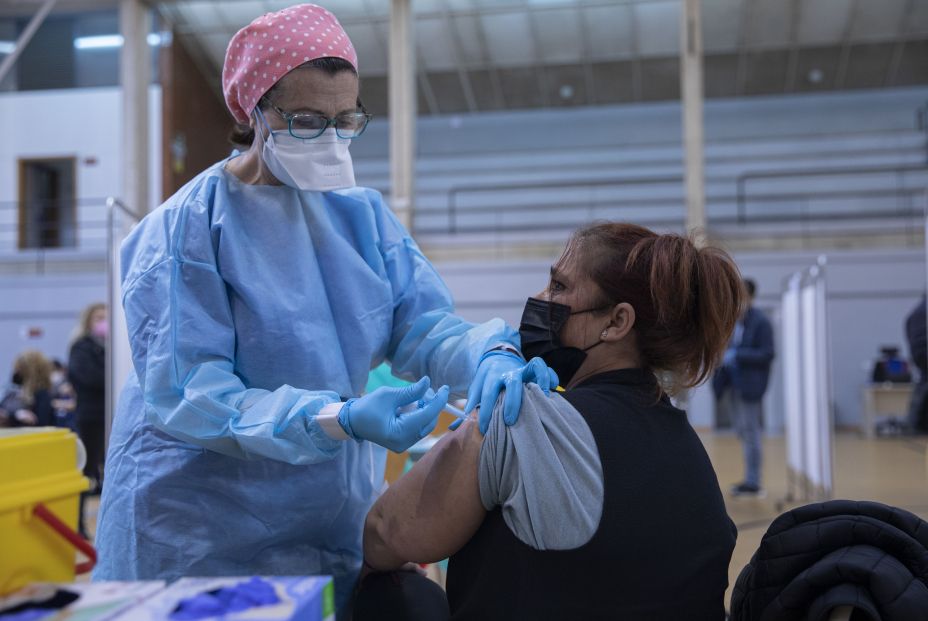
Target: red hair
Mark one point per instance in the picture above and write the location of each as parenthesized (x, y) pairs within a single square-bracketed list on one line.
[(686, 299)]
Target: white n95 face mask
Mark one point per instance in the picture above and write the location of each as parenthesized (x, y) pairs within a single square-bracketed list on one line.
[(319, 164)]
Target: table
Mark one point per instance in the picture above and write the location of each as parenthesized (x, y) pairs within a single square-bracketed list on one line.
[(886, 399)]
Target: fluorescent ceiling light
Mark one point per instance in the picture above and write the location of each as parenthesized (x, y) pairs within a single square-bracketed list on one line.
[(7, 47), (100, 42)]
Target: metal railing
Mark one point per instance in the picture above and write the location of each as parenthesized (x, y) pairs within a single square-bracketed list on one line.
[(900, 201), (42, 231), (900, 193), (588, 205)]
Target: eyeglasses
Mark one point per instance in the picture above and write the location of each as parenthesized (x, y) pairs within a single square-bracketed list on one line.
[(308, 126)]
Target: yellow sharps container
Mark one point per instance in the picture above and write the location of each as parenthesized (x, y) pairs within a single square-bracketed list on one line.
[(40, 486)]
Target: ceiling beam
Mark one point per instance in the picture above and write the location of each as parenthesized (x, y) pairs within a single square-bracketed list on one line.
[(381, 41), (536, 52), (428, 93), (741, 72), (26, 36), (892, 72), (845, 58), (202, 59), (586, 58), (457, 51), (637, 78), (792, 65), (495, 81)]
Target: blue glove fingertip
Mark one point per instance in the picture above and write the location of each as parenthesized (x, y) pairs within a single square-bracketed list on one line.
[(554, 380), (483, 421), (473, 396)]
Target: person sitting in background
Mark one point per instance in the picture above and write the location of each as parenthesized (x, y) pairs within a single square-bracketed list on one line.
[(28, 401), (600, 502), (890, 367), (62, 396)]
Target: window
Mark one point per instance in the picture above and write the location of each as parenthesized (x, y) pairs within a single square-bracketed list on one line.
[(46, 203)]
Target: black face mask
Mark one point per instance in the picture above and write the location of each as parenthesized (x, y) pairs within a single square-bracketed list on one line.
[(17, 379), (540, 331)]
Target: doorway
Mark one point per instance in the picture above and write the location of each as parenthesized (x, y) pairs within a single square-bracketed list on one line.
[(47, 204)]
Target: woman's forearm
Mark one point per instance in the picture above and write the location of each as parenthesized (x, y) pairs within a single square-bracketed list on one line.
[(432, 510)]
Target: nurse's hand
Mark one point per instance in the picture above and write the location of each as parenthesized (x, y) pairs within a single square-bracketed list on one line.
[(376, 416), (498, 370)]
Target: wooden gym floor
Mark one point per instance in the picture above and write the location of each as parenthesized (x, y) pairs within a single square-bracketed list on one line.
[(893, 471)]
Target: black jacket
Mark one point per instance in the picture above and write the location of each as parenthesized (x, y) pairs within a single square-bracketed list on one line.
[(664, 541), (753, 356), (41, 406), (87, 374), (842, 552), (915, 334)]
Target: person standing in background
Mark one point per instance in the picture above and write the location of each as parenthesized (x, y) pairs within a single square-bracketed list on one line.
[(740, 385), (916, 333), (87, 375)]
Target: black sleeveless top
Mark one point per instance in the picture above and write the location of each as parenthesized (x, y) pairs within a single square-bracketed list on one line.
[(664, 541)]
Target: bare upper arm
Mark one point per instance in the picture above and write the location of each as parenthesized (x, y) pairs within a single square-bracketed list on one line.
[(432, 510)]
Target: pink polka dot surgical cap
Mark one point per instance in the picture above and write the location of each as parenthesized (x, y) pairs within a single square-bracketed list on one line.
[(267, 49)]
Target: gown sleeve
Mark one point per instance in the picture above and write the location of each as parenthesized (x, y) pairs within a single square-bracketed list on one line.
[(182, 337), (428, 337)]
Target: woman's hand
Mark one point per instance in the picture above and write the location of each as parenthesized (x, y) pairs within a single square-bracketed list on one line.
[(500, 370), (26, 417), (377, 416)]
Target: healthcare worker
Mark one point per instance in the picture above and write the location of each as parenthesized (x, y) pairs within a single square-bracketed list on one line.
[(258, 298)]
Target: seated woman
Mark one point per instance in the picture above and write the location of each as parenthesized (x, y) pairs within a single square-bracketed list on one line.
[(600, 502), (28, 402)]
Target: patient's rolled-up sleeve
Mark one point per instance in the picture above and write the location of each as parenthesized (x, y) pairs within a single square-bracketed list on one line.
[(544, 472)]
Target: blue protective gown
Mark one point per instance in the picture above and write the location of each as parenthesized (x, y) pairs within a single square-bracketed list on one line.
[(249, 308)]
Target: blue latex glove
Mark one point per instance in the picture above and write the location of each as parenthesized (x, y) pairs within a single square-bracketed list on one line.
[(376, 416), (242, 596), (498, 370)]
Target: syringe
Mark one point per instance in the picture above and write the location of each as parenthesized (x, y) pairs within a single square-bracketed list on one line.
[(456, 411)]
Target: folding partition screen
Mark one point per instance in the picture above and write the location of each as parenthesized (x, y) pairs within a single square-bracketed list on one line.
[(807, 386)]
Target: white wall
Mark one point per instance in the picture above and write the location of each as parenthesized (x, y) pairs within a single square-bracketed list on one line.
[(80, 123), (869, 295)]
